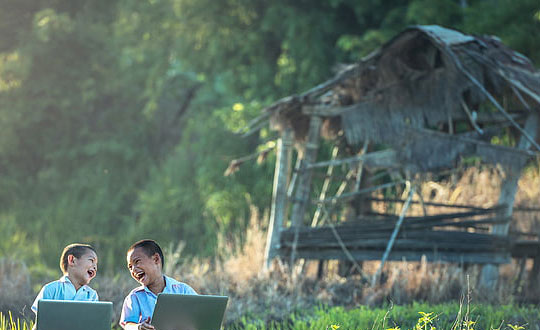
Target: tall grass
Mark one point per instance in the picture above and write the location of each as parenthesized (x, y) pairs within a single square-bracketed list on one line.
[(8, 322)]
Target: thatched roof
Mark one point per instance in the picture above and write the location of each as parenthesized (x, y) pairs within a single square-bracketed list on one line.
[(432, 94)]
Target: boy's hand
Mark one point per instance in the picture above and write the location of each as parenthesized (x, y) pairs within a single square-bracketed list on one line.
[(146, 325)]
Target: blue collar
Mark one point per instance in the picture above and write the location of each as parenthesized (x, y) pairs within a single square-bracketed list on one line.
[(167, 288), (65, 279)]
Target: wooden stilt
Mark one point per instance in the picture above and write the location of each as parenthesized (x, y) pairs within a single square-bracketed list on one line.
[(490, 272), (279, 195), (303, 189)]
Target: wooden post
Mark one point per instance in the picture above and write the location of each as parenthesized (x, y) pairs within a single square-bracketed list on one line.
[(279, 195), (490, 272), (303, 188), (534, 275)]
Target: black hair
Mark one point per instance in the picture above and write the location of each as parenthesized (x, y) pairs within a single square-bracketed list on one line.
[(150, 247), (77, 250)]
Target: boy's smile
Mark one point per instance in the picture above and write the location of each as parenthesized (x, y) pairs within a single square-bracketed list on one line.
[(82, 270), (143, 268)]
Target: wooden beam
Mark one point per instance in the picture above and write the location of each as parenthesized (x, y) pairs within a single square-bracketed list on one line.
[(431, 256), (303, 188), (457, 206), (490, 273), (279, 195), (333, 111)]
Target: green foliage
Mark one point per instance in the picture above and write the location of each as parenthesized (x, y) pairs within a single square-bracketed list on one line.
[(515, 22), (447, 13), (443, 317), (117, 117), (446, 316)]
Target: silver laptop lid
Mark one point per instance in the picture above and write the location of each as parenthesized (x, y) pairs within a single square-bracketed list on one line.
[(74, 315), (199, 312)]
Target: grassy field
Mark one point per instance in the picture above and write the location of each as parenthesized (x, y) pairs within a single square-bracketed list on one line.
[(413, 316), (285, 298)]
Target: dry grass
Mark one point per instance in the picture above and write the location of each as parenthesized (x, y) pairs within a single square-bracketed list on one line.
[(15, 290)]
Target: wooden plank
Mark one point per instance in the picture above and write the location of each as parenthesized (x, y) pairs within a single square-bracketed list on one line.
[(346, 232), (412, 223), (402, 245), (432, 256), (522, 249), (333, 111), (457, 206)]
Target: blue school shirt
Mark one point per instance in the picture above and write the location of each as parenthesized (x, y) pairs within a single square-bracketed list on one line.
[(63, 289), (140, 303)]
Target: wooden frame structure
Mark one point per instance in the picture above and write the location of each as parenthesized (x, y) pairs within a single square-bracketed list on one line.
[(424, 101)]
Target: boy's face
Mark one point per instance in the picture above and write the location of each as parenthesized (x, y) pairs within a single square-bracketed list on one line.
[(83, 269), (143, 268)]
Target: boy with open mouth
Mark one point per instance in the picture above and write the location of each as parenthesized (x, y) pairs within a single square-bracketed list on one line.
[(78, 263), (145, 263)]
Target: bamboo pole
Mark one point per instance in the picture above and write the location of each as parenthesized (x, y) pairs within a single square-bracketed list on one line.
[(393, 237), (325, 187), (457, 206), (359, 192)]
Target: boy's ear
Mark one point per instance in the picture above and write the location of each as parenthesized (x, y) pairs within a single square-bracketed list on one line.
[(71, 259), (156, 258)]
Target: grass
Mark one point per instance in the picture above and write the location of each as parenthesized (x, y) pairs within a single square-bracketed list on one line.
[(414, 316), (8, 322)]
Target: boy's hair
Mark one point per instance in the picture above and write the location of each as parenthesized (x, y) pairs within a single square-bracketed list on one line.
[(77, 250), (150, 247)]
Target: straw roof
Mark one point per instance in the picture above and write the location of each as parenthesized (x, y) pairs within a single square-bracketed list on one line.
[(432, 94)]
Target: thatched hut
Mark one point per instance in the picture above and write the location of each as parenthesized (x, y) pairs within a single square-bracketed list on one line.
[(421, 103)]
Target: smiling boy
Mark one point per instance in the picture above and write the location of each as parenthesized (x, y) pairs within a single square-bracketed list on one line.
[(145, 263), (79, 265)]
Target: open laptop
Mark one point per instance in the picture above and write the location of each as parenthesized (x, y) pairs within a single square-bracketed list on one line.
[(194, 312), (74, 315)]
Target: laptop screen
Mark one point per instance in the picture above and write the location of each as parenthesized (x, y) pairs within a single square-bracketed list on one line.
[(178, 311), (74, 315)]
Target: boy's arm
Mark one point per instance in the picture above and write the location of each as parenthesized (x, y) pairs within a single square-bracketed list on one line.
[(44, 293), (131, 313)]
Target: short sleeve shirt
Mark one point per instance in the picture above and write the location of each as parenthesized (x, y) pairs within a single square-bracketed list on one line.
[(140, 303), (63, 289)]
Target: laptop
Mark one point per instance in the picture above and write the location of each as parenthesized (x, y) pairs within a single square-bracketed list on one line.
[(74, 315), (193, 312)]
